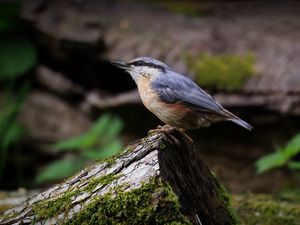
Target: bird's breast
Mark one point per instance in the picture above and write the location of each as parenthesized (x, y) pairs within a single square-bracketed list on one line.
[(171, 114), (149, 97)]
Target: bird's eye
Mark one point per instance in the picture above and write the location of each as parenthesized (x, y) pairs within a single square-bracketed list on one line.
[(140, 63)]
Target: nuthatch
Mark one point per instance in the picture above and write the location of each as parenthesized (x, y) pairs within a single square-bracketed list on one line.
[(173, 98)]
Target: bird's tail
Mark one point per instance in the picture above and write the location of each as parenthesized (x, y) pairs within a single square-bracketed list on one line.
[(233, 118), (241, 123)]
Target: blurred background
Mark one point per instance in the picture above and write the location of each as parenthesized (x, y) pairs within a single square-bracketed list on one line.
[(63, 105)]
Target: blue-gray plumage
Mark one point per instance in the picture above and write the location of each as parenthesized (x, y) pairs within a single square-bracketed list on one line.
[(173, 87), (175, 98)]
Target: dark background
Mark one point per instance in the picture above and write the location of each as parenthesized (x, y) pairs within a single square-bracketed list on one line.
[(56, 81)]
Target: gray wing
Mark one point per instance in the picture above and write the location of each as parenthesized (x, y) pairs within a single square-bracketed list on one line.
[(173, 87)]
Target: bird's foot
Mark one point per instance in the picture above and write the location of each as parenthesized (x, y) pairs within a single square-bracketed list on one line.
[(189, 139), (165, 129)]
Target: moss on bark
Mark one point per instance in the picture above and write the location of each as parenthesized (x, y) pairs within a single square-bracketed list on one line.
[(47, 209), (152, 203), (224, 72)]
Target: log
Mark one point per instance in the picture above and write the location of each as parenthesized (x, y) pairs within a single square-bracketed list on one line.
[(159, 179)]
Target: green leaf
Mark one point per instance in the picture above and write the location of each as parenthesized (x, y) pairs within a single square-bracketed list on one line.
[(9, 13), (293, 147), (17, 56), (100, 124), (294, 165), (6, 114), (10, 129), (9, 10), (270, 161), (12, 135), (281, 157), (60, 169), (106, 151), (72, 144), (103, 130), (87, 140), (113, 129), (97, 130)]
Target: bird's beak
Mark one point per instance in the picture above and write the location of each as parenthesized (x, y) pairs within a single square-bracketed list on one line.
[(121, 65)]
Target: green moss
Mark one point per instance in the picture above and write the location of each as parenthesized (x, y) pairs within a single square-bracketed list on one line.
[(228, 204), (226, 199), (225, 72), (162, 145), (50, 208), (259, 209), (152, 203), (186, 8), (118, 206), (289, 195), (4, 208), (47, 209), (100, 181), (7, 216), (112, 159)]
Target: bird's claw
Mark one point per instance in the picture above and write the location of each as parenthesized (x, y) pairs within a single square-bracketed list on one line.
[(165, 129), (189, 139)]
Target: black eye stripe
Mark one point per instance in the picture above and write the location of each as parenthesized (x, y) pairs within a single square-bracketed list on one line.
[(138, 63), (142, 63)]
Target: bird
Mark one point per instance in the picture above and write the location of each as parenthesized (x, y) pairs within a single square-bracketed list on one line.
[(174, 98)]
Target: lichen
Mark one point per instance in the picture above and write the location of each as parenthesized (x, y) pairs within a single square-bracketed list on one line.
[(224, 72), (262, 209), (153, 203)]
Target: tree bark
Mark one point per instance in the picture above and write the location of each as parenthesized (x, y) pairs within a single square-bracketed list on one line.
[(156, 180)]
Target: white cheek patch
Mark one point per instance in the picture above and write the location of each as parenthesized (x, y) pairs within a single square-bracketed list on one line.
[(149, 70), (139, 71)]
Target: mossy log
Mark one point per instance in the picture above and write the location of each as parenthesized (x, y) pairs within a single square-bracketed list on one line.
[(156, 180)]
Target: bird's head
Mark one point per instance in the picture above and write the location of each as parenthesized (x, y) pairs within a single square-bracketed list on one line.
[(143, 66)]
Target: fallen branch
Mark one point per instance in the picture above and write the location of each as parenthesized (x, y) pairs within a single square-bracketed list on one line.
[(157, 180)]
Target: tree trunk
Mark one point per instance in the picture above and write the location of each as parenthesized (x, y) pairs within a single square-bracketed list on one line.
[(156, 180)]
